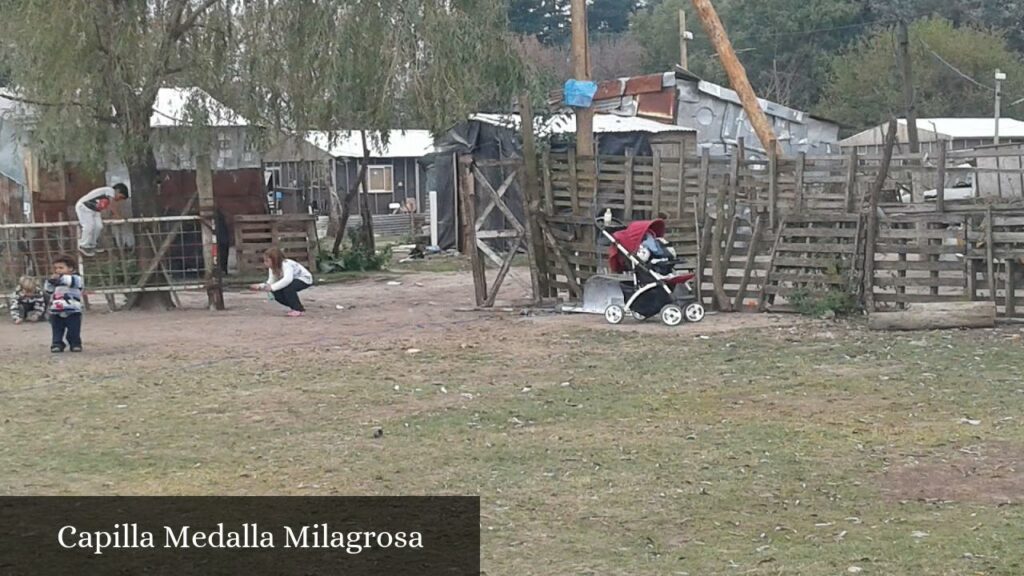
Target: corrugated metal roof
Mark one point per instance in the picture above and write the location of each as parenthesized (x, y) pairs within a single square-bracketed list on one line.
[(171, 109), (971, 127), (349, 144), (603, 124)]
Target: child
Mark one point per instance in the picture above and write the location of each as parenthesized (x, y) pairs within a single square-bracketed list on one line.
[(65, 288), (27, 303), (88, 209), (285, 279)]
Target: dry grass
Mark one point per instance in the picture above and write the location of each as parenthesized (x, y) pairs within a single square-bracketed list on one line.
[(790, 450)]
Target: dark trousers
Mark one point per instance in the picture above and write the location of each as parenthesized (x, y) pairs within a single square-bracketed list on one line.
[(289, 295), (71, 325)]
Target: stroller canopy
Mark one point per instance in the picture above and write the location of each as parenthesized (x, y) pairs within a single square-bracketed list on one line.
[(631, 238)]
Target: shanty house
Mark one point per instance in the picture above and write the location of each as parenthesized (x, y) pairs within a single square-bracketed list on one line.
[(714, 112)]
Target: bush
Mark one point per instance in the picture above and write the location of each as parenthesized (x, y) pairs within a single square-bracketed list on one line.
[(356, 257), (818, 303)]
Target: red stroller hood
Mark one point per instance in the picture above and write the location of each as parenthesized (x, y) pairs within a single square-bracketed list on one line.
[(631, 238)]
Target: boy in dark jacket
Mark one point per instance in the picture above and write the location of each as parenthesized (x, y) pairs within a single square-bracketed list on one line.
[(65, 290), (27, 303)]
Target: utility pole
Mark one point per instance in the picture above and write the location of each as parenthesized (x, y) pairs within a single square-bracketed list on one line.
[(581, 71), (1000, 76), (737, 75), (684, 37), (909, 98)]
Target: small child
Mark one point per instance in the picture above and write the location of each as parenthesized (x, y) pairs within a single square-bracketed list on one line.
[(28, 303), (65, 288)]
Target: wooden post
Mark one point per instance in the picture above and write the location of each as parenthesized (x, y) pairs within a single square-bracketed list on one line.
[(872, 234), (762, 303), (717, 272), (1011, 287), (801, 164), (940, 185), (581, 71), (574, 184), (704, 177), (681, 195), (467, 197), (207, 213), (773, 188), (990, 254), (529, 181), (851, 182), (627, 213), (656, 205), (737, 75), (909, 99), (684, 36), (549, 194), (936, 316)]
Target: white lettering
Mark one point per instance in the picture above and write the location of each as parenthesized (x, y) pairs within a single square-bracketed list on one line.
[(60, 536)]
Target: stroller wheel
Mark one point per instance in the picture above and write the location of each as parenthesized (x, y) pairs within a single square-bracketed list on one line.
[(614, 314), (638, 316), (672, 315), (694, 312)]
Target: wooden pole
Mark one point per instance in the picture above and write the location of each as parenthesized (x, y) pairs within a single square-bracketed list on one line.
[(872, 235), (755, 241), (737, 75), (1011, 287), (990, 257), (773, 188), (467, 197), (851, 182), (936, 316), (581, 71), (530, 181), (940, 184), (684, 37), (909, 98), (207, 214)]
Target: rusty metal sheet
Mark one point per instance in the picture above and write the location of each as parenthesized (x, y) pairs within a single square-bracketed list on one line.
[(660, 105), (609, 89), (644, 84)]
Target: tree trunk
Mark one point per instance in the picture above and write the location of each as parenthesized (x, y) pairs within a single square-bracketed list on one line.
[(346, 207), (142, 171), (936, 317), (370, 244)]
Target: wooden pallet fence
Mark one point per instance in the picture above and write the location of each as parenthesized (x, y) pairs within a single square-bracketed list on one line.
[(813, 253), (294, 234), (920, 260)]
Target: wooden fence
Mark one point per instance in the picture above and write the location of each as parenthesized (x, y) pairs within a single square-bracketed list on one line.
[(294, 234), (761, 230)]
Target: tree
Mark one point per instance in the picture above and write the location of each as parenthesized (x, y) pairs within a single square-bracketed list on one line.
[(546, 20), (783, 44), (865, 82), (94, 70), (610, 16)]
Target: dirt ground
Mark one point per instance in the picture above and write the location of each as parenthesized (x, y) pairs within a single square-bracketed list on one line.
[(361, 315), (746, 444)]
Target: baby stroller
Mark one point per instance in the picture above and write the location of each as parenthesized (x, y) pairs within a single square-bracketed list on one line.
[(657, 285)]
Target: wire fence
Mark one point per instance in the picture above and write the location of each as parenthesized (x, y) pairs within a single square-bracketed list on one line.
[(124, 261)]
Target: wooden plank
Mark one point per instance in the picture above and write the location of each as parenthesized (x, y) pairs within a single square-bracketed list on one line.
[(891, 298), (816, 248), (751, 258), (494, 196), (717, 273), (920, 266), (704, 176), (574, 187), (940, 186), (903, 282), (800, 192), (1011, 287), (492, 234), (498, 201), (502, 271), (763, 298), (834, 233), (851, 182)]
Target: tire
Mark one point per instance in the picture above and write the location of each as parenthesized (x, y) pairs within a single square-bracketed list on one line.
[(614, 314), (694, 312), (672, 315)]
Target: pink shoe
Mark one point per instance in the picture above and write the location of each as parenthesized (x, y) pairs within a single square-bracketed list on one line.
[(295, 313)]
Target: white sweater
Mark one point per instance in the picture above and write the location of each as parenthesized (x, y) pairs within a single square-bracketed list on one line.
[(292, 270)]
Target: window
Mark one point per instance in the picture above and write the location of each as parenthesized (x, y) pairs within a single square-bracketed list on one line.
[(380, 179)]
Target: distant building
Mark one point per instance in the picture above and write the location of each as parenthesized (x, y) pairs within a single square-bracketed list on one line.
[(714, 111), (956, 133)]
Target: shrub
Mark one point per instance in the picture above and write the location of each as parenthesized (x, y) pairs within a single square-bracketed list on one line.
[(818, 303)]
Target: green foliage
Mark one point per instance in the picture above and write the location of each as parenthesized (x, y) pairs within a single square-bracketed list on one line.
[(866, 85), (359, 256), (828, 302), (546, 20)]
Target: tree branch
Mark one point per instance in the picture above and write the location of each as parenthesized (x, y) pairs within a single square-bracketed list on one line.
[(185, 25), (94, 114)]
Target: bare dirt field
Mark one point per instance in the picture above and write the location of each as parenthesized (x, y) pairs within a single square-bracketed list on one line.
[(748, 444)]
